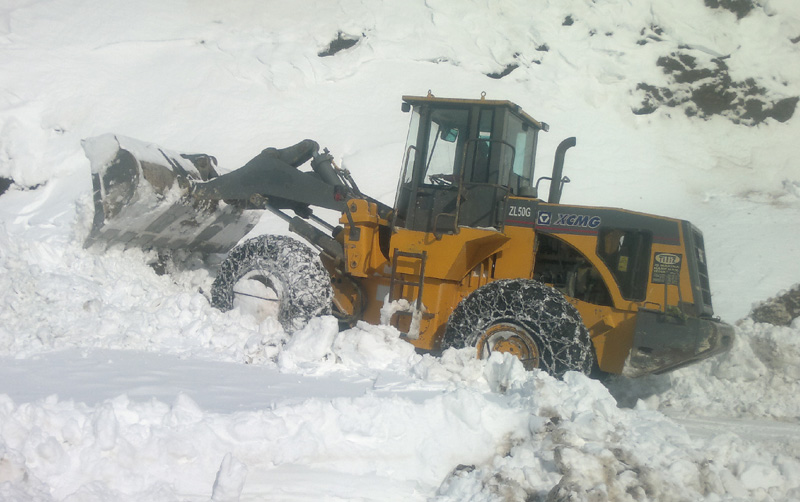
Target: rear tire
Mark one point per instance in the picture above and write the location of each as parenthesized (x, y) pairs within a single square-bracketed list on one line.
[(526, 318), (274, 275)]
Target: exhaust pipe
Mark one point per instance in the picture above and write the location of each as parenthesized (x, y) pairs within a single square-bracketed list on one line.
[(557, 182)]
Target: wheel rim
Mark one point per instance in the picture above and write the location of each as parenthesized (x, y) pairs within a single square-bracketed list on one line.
[(256, 295), (512, 339)]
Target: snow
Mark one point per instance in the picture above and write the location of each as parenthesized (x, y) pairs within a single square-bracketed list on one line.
[(119, 384)]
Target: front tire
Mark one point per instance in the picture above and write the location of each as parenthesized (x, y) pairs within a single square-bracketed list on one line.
[(274, 275), (526, 318)]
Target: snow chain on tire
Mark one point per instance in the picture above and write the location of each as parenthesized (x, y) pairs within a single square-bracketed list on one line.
[(302, 283), (530, 307)]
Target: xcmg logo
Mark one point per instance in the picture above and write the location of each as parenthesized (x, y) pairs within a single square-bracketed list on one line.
[(546, 218)]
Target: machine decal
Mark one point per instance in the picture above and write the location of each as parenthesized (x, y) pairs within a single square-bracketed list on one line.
[(667, 268), (545, 217), (548, 221), (521, 213), (527, 213), (577, 220)]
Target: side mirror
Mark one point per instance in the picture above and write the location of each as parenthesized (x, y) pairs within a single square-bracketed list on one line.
[(449, 134), (405, 107)]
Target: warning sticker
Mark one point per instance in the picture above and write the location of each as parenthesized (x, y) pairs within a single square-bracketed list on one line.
[(667, 268)]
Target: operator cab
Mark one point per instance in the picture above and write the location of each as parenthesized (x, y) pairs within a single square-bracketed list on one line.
[(462, 159)]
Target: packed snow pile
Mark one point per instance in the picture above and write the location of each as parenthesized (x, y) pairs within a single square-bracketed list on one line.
[(489, 429), (763, 367), (117, 383), (452, 428)]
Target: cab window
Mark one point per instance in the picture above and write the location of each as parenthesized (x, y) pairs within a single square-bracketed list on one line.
[(627, 254), (447, 138)]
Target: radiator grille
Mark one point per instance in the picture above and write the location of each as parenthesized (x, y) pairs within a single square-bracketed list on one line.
[(702, 267)]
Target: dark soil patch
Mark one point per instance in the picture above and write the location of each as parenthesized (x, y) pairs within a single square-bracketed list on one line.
[(508, 69), (779, 311), (739, 7), (654, 33), (704, 90), (340, 43), (5, 183), (683, 68)]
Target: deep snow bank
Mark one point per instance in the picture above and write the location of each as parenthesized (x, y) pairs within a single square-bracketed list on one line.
[(758, 378), (478, 430), (512, 433)]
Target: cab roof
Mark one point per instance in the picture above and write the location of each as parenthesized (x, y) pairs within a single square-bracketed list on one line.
[(482, 101)]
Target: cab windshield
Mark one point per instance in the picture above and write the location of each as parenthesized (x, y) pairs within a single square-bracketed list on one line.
[(446, 141)]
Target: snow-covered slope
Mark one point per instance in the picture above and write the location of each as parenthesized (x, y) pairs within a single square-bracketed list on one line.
[(123, 385)]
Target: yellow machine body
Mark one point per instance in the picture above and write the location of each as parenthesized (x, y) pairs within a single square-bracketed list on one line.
[(455, 228), (457, 264)]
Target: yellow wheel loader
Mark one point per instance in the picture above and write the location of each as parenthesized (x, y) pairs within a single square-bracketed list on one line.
[(468, 256)]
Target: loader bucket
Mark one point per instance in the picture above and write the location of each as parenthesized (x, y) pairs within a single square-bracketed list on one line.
[(141, 198)]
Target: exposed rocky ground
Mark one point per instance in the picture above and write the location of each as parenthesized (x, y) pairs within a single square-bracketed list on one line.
[(703, 87), (780, 310)]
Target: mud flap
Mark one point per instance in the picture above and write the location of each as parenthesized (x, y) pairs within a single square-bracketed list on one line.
[(664, 342), (141, 198)]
